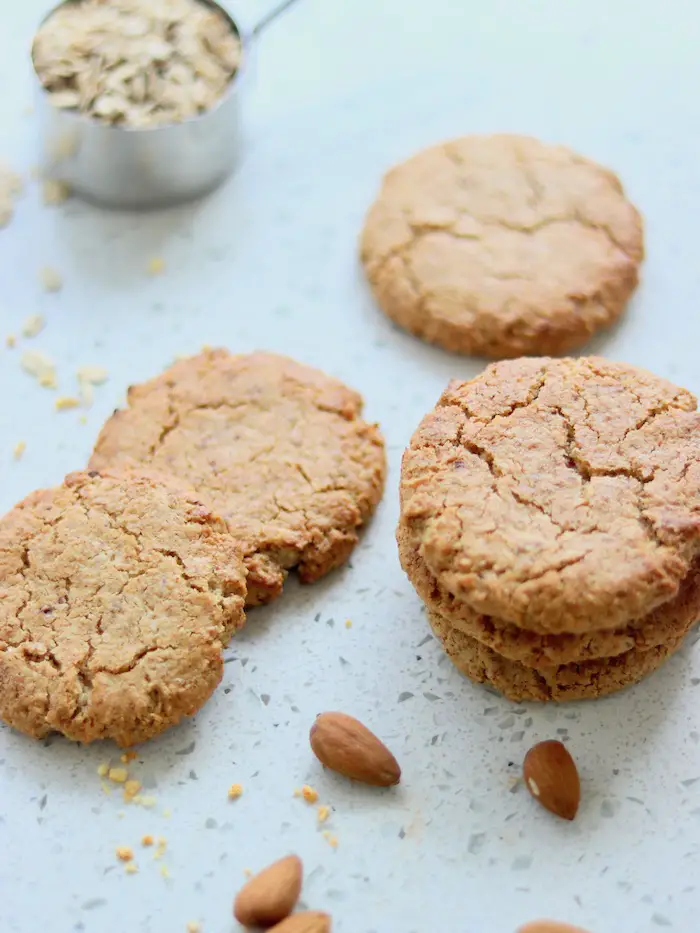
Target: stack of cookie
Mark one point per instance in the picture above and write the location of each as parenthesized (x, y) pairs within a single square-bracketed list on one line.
[(550, 521), (119, 588)]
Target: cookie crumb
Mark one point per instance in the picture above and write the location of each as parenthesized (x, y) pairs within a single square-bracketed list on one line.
[(128, 755), (131, 789), (118, 775), (33, 326), (160, 848), (147, 801), (147, 840), (323, 813), (156, 266), (55, 192), (348, 623), (50, 279), (67, 402), (309, 794), (193, 927), (19, 449), (10, 341), (330, 838), (124, 853), (88, 378), (132, 868), (10, 188), (235, 791), (40, 367)]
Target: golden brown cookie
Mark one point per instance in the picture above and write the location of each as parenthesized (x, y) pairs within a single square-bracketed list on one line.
[(668, 620), (560, 496), (116, 593), (278, 448), (585, 681), (502, 246)]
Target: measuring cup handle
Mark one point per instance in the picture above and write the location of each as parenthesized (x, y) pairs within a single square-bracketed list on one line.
[(270, 17)]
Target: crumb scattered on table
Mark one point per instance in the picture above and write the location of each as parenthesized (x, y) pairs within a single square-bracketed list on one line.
[(67, 402), (55, 192), (131, 868), (309, 794), (323, 813), (235, 791), (124, 853), (33, 325), (118, 775), (40, 367), (156, 266), (50, 279), (19, 449), (147, 840), (330, 838)]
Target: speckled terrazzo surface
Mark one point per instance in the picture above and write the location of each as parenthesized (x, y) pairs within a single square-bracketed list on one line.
[(339, 93)]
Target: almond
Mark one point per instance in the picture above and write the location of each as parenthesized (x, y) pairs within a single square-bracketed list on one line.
[(343, 744), (271, 895), (551, 777), (310, 921), (549, 926)]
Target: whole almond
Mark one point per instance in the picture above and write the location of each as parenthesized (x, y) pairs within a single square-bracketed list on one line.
[(548, 926), (310, 921), (271, 895), (552, 779), (343, 744)]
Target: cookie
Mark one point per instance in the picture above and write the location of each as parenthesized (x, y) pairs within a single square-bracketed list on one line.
[(278, 448), (586, 681), (668, 620), (116, 593), (560, 496), (502, 246)]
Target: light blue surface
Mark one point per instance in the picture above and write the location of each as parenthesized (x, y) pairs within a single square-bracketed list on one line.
[(341, 91)]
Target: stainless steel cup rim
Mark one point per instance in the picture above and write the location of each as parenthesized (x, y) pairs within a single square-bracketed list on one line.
[(246, 39)]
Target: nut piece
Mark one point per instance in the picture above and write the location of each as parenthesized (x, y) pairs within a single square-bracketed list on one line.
[(551, 777), (549, 926), (343, 744), (310, 921), (271, 895)]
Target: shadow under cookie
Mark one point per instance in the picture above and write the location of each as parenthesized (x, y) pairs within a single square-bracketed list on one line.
[(586, 681)]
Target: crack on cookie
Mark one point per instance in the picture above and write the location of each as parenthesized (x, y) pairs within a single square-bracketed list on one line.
[(39, 645)]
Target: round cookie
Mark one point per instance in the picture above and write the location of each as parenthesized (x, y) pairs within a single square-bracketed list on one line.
[(561, 496), (278, 448), (116, 593), (502, 246), (586, 681), (517, 644)]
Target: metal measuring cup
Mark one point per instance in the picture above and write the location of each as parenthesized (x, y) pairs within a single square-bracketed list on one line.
[(147, 167)]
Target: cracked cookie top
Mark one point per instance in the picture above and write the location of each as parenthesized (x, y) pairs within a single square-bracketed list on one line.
[(279, 449), (116, 593), (502, 246), (558, 495)]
